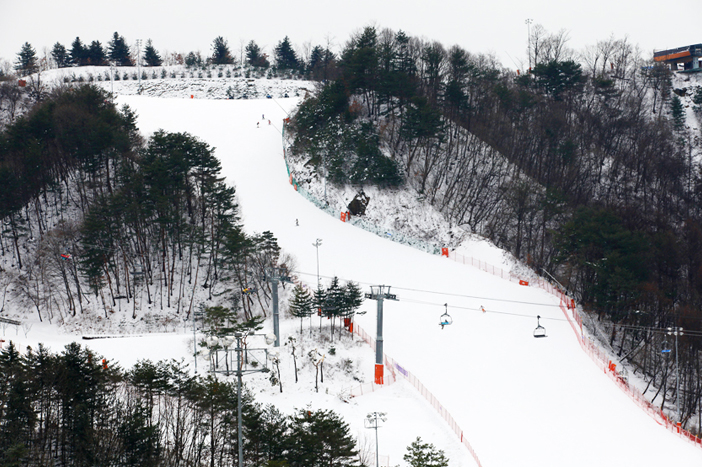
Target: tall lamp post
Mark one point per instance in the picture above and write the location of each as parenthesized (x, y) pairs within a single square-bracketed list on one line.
[(317, 244), (676, 331), (528, 23), (138, 43), (372, 421)]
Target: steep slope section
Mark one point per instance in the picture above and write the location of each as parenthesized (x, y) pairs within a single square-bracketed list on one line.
[(520, 401)]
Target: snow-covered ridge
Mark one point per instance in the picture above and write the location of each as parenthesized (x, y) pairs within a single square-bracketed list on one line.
[(225, 82)]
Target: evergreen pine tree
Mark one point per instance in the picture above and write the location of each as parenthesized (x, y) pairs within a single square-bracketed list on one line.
[(255, 57), (193, 59), (420, 454), (119, 51), (78, 53), (151, 56), (334, 302), (320, 296), (60, 55), (321, 60), (678, 113), (27, 62), (353, 299), (96, 54), (301, 303), (140, 438), (221, 55), (17, 417), (320, 438), (285, 56)]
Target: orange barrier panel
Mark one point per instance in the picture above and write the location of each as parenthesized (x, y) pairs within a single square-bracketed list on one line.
[(391, 376)]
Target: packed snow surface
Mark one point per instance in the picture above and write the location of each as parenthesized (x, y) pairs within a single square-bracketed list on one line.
[(520, 401)]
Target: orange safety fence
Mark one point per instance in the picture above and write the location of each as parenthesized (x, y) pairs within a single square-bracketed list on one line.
[(393, 369), (598, 355)]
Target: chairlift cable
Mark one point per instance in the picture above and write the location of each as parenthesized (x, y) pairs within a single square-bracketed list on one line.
[(507, 313), (450, 294)]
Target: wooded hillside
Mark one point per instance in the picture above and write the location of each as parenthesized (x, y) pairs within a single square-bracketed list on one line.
[(584, 167)]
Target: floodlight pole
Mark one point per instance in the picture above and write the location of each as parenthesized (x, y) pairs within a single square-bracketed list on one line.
[(379, 294), (676, 331), (317, 244), (138, 42), (372, 420), (528, 23)]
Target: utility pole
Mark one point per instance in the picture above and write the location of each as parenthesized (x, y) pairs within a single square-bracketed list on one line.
[(378, 293), (371, 421), (112, 80), (275, 275), (262, 366), (317, 244)]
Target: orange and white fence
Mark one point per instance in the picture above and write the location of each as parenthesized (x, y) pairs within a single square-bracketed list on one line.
[(393, 369), (597, 354)]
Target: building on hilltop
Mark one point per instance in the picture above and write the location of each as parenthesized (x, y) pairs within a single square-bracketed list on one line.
[(689, 56)]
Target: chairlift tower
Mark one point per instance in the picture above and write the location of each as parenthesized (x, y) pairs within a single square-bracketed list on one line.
[(379, 293), (275, 275)]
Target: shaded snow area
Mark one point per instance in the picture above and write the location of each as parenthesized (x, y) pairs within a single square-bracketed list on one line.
[(519, 401)]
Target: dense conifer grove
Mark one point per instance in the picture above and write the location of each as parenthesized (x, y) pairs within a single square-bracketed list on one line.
[(75, 408)]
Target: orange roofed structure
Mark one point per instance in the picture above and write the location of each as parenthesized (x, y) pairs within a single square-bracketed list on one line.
[(689, 56)]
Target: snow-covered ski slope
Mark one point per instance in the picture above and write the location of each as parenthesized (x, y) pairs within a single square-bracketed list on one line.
[(520, 401)]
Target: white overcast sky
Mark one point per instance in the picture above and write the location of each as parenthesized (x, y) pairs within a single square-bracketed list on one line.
[(496, 26)]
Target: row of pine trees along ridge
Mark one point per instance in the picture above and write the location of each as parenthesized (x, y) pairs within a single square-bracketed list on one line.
[(119, 53)]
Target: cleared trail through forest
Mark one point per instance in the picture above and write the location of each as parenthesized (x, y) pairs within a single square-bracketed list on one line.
[(521, 401)]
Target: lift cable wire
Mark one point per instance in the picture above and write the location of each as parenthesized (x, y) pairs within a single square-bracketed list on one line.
[(452, 295), (485, 310)]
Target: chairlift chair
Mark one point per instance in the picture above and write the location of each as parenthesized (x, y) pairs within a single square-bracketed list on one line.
[(445, 319), (665, 348), (540, 331)]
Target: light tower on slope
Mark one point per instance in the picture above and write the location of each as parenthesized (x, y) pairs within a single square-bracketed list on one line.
[(528, 22)]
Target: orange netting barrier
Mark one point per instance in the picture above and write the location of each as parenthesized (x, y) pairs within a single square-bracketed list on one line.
[(597, 355), (393, 369)]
